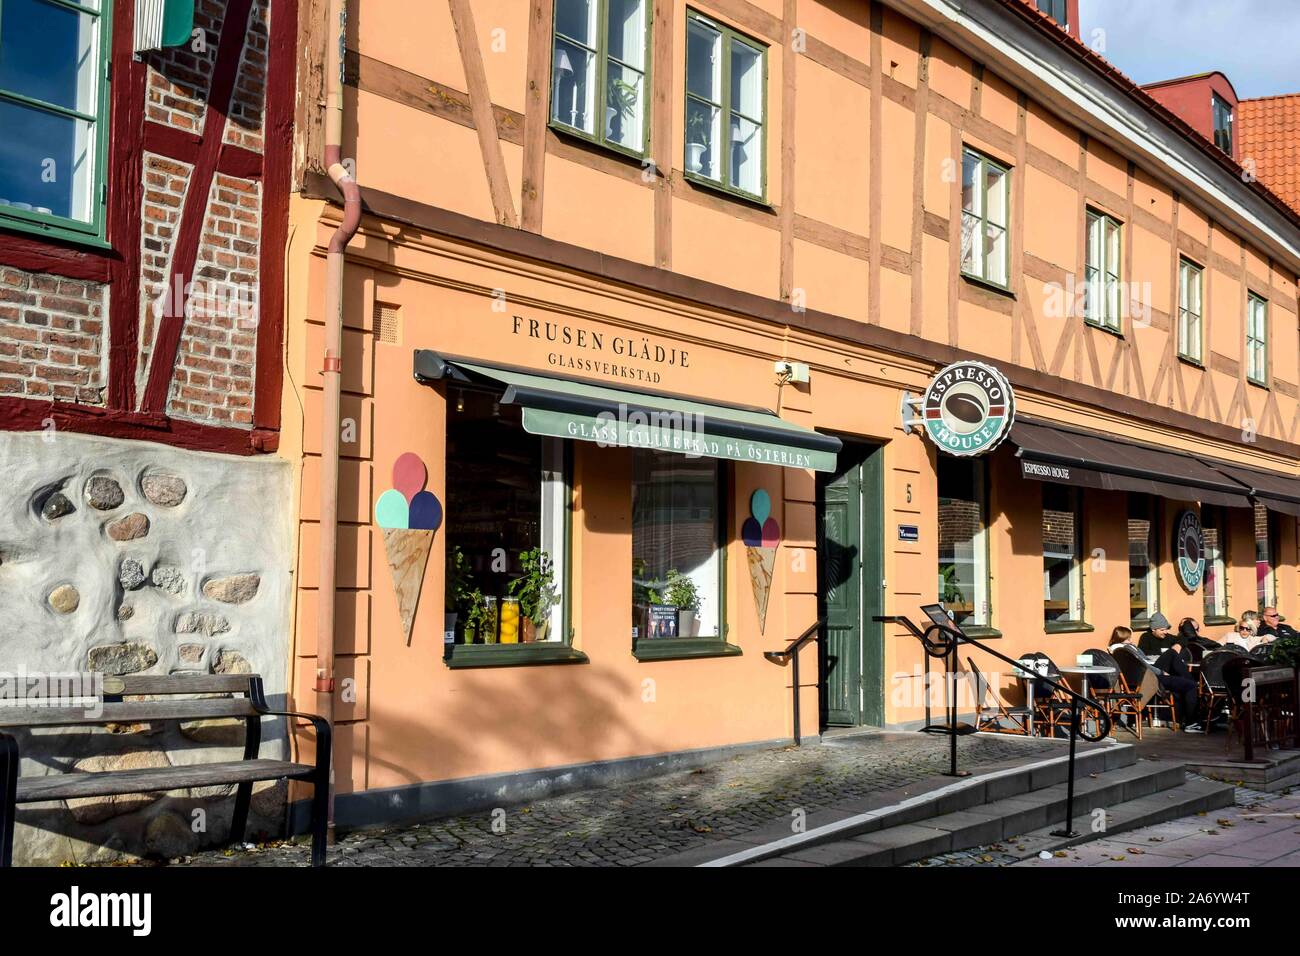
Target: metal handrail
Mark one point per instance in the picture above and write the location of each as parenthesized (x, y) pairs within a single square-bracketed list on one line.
[(791, 653), (946, 644)]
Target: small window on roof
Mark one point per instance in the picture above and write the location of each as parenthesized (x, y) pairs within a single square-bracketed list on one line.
[(1057, 10), (1222, 123)]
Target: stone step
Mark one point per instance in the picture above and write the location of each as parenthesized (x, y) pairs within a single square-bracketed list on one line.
[(991, 822), (1192, 797)]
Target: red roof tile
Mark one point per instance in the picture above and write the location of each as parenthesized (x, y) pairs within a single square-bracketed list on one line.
[(1269, 130)]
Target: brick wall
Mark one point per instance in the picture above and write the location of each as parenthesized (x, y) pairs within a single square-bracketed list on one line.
[(165, 182), (213, 380), (179, 77), (245, 117), (51, 337)]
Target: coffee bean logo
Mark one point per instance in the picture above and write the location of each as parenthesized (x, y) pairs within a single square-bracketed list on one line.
[(965, 408)]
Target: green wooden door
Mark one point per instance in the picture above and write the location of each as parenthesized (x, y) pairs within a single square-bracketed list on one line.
[(849, 572)]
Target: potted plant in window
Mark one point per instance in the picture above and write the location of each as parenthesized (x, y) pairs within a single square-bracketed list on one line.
[(460, 584), (680, 591), (476, 616), (535, 591), (619, 105), (699, 134)]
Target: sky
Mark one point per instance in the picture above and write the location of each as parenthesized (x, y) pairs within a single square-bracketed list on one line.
[(1255, 42)]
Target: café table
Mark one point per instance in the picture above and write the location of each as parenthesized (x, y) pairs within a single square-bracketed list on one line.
[(1083, 670)]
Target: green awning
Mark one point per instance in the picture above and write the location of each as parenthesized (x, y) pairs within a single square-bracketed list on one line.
[(569, 408)]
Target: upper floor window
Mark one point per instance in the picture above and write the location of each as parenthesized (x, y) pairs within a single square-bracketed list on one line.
[(599, 87), (1190, 333), (1101, 294), (984, 201), (726, 94), (53, 103), (1222, 123), (1257, 340), (1057, 10)]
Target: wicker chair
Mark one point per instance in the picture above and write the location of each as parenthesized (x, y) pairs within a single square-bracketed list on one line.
[(1051, 707), (1001, 719), (1114, 693), (1213, 689), (1141, 678)]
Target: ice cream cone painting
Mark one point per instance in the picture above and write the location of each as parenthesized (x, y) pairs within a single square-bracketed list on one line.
[(408, 515), (762, 536)]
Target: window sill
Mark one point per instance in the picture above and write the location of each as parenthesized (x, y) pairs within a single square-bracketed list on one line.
[(682, 648), (1258, 384), (55, 233), (1188, 360), (1067, 627), (511, 655), (583, 140), (703, 182), (1117, 332), (1220, 620), (981, 630), (989, 285)]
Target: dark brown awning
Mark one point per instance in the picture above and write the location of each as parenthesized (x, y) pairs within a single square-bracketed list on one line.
[(1274, 491), (1072, 456)]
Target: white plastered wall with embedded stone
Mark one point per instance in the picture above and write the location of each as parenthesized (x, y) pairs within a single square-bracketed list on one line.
[(130, 557)]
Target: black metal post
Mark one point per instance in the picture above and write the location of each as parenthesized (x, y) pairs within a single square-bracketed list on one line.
[(794, 658), (952, 708), (1068, 830)]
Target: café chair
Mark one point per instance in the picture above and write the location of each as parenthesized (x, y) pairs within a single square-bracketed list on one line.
[(995, 717), (1213, 690), (1051, 707), (1141, 678), (1114, 694)]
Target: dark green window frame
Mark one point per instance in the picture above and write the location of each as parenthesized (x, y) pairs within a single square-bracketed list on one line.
[(1256, 340), (1103, 310), (678, 648), (457, 656), (92, 231), (729, 38), (603, 59), (982, 271), (1191, 309)]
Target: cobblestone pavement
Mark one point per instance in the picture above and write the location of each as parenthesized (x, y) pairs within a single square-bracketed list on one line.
[(638, 822), (1262, 829)]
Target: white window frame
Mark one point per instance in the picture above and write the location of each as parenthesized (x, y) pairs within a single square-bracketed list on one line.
[(1075, 577), (1191, 311), (1103, 292), (975, 220), (982, 614), (1256, 339)]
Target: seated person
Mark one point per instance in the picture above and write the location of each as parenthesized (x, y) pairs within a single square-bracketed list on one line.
[(1175, 678), (1271, 625), (1157, 638), (1120, 635), (1244, 635)]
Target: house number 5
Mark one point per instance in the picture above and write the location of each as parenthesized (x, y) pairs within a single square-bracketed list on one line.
[(909, 494)]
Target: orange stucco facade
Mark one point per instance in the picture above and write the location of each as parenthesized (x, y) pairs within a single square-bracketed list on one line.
[(850, 263)]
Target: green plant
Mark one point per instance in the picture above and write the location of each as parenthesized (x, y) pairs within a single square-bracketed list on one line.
[(699, 129), (622, 96), (460, 579), (952, 594), (681, 592), (1285, 650), (535, 588), (478, 616)]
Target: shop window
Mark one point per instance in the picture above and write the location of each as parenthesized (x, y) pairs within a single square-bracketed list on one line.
[(1062, 547), (1214, 529), (1143, 559), (726, 94), (1256, 340), (599, 74), (1190, 334), (53, 107), (1102, 291), (507, 513), (963, 541), (1265, 580), (676, 547), (985, 198)]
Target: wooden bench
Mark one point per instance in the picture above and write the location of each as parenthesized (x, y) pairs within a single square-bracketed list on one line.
[(108, 707)]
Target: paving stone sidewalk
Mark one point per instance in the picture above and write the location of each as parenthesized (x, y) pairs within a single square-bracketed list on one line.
[(1262, 829), (652, 819)]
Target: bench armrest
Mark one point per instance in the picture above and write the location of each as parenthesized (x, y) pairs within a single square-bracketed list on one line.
[(324, 733)]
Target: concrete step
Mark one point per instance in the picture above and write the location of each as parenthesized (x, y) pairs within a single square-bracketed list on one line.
[(995, 821), (1192, 797)]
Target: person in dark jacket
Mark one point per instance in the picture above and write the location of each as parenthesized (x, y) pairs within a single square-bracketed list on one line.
[(1157, 638), (1271, 626)]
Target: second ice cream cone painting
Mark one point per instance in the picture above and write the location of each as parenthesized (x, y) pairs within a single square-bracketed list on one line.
[(762, 537), (408, 516)]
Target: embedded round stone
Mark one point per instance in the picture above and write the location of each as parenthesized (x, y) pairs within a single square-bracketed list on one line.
[(234, 589), (130, 573), (129, 528), (125, 612), (232, 662), (201, 622), (190, 653), (165, 490), (171, 580), (103, 493), (117, 659), (56, 506), (65, 599)]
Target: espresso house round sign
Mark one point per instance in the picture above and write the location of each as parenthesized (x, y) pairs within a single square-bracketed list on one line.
[(1189, 551), (968, 408)]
